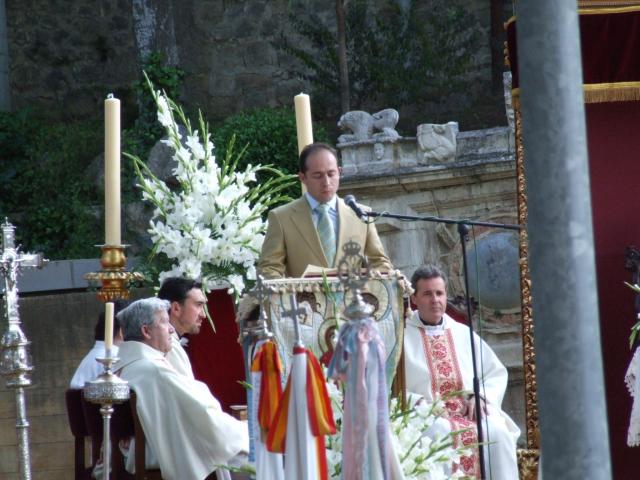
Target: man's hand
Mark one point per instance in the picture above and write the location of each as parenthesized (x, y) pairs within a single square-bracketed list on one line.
[(470, 413), (247, 307)]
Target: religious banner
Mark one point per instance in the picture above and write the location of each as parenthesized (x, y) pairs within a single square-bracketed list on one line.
[(324, 301)]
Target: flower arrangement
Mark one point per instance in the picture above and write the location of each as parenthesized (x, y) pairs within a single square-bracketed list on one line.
[(421, 457), (210, 226), (635, 329)]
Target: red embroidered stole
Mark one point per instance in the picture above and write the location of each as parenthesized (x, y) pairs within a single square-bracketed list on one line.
[(442, 361)]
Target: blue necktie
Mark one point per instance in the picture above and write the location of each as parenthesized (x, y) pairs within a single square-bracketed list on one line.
[(326, 233)]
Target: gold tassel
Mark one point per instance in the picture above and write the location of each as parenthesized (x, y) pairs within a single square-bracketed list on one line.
[(600, 93), (612, 92)]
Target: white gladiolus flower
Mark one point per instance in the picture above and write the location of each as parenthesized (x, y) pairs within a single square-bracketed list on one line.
[(164, 113), (202, 225), (421, 457), (422, 409), (195, 146)]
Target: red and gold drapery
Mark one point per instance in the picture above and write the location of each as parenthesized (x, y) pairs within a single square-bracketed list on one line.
[(610, 50), (610, 43)]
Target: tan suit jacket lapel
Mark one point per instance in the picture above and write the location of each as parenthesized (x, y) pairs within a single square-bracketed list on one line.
[(302, 220)]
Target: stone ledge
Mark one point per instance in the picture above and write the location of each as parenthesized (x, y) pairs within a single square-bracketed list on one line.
[(372, 157), (61, 275)]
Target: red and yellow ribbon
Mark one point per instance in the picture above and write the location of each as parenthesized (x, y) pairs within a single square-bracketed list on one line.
[(268, 363), (320, 413)]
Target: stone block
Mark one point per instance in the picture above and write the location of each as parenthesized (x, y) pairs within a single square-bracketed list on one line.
[(221, 83), (227, 59), (259, 54), (491, 141)]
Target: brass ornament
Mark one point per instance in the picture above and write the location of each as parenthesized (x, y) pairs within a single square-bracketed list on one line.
[(113, 281)]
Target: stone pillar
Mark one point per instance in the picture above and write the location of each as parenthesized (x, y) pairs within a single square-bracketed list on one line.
[(5, 92), (573, 425)]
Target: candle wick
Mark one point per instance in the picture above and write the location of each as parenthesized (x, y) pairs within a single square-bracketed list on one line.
[(110, 95)]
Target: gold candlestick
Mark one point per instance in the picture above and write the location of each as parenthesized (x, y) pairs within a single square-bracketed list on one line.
[(113, 280)]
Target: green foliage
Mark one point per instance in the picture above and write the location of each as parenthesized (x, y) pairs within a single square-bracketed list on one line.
[(270, 137), (146, 131), (16, 131), (164, 77), (399, 56), (45, 189)]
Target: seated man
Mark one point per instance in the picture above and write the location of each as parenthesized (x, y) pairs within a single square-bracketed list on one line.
[(438, 363), (89, 368), (185, 427), (186, 315)]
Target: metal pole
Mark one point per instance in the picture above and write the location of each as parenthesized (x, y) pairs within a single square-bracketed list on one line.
[(15, 363), (106, 410), (463, 231), (573, 425), (22, 432)]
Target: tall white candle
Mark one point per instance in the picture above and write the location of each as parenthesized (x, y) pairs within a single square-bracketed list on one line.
[(108, 326), (112, 170), (303, 120)]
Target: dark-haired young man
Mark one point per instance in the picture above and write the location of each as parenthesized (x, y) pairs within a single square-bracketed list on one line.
[(186, 314), (313, 229)]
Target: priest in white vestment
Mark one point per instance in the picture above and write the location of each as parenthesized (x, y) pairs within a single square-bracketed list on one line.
[(186, 314), (185, 427), (438, 361)]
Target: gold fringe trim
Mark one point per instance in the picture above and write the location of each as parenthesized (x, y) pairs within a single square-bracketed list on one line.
[(612, 92), (605, 3), (601, 92), (610, 10), (592, 10)]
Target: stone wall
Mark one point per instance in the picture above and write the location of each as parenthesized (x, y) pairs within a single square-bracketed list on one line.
[(66, 56)]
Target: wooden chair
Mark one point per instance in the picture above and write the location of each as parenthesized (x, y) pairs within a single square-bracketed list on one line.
[(125, 424), (94, 424), (78, 426)]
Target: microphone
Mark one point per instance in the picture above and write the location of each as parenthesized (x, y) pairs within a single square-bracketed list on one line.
[(350, 200)]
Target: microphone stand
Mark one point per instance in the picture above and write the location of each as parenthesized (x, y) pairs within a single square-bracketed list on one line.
[(463, 231)]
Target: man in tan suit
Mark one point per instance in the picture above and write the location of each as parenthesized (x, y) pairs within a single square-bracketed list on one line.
[(293, 242)]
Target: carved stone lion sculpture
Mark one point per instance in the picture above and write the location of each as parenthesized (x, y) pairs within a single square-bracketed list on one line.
[(437, 142), (361, 126), (385, 121), (359, 123)]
